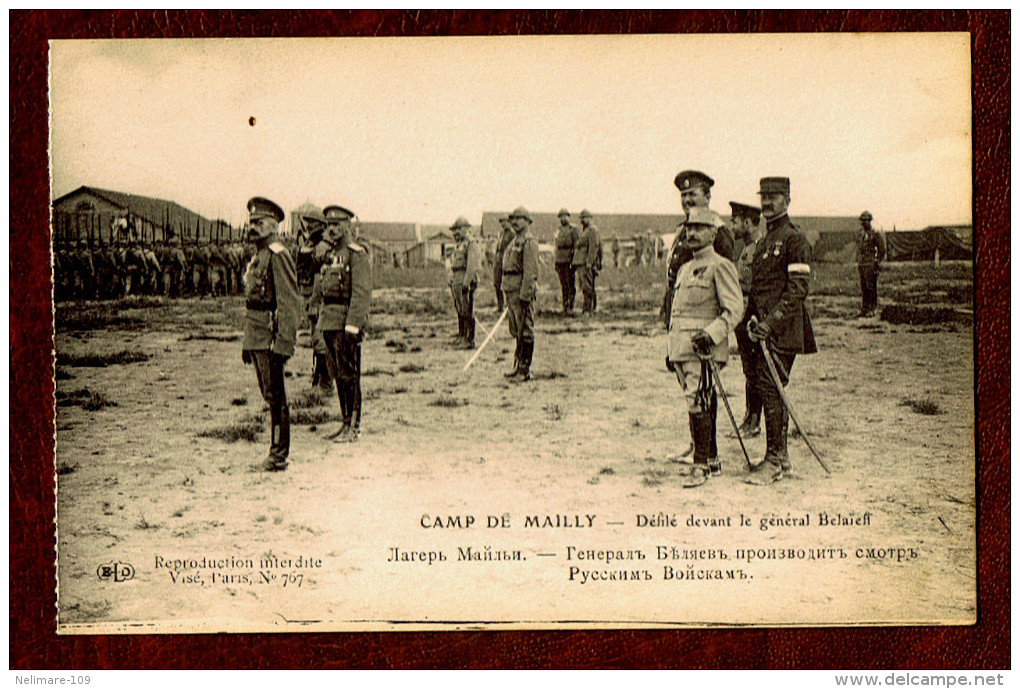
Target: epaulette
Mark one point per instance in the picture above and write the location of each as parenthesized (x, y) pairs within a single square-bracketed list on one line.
[(355, 247), (277, 247)]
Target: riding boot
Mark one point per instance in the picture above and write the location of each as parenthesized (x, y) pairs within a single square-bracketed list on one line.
[(713, 451), (517, 363), (524, 374)]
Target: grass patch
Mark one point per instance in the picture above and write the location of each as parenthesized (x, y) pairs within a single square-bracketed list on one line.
[(606, 471), (448, 402), (84, 398), (239, 401), (248, 428), (61, 374), (925, 406), (899, 314), (64, 468), (307, 399), (549, 375), (215, 337), (312, 417), (376, 372), (411, 368), (554, 412), (102, 360)]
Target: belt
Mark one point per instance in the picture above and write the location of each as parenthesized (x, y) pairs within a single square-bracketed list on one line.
[(254, 306), (334, 301)]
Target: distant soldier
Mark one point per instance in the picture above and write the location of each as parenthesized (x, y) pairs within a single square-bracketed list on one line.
[(706, 307), (176, 268), (506, 235), (639, 249), (153, 269), (616, 252), (695, 191), (133, 265), (870, 254), (745, 220), (590, 239), (219, 265), (776, 313), (85, 271), (272, 312), (344, 291), (465, 269), (520, 288), (566, 239)]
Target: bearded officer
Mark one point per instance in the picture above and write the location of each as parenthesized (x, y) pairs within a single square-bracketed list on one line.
[(695, 191), (506, 235), (273, 310), (707, 305), (745, 220), (520, 288), (344, 289), (870, 254), (565, 240), (776, 313), (466, 267)]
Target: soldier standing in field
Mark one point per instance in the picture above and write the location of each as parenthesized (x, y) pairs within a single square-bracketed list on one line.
[(506, 235), (343, 291), (272, 311), (466, 267), (870, 254), (745, 229), (695, 191), (311, 255), (565, 241), (706, 307), (777, 315), (591, 240), (520, 288)]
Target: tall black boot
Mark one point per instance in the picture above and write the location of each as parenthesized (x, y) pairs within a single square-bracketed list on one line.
[(527, 350), (517, 362), (713, 450), (771, 468), (750, 427), (701, 430), (325, 380)]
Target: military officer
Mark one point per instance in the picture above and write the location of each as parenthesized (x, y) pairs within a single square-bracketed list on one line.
[(506, 235), (745, 220), (565, 241), (695, 191), (311, 256), (706, 308), (592, 241), (870, 254), (520, 288), (776, 313), (344, 290), (273, 309), (466, 267)]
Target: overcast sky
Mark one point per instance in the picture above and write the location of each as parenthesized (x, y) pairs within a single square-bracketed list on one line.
[(425, 130)]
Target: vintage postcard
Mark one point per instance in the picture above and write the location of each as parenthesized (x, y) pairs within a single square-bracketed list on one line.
[(491, 333)]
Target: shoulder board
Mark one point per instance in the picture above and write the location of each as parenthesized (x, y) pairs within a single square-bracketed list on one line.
[(277, 247), (355, 247)]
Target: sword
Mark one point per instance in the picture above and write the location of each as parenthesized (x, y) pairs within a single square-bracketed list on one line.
[(729, 412), (487, 339), (786, 402)]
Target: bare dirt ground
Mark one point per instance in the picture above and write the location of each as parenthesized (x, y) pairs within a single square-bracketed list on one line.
[(139, 483)]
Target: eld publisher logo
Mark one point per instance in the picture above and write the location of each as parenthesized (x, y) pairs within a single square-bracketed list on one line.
[(116, 571)]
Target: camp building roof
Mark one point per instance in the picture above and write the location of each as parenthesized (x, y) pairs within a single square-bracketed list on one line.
[(155, 211)]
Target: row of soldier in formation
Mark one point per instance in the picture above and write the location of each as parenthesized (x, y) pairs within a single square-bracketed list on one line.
[(707, 297)]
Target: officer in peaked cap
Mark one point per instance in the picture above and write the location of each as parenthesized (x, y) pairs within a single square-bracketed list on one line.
[(745, 219), (520, 288), (870, 254), (565, 242), (344, 290), (706, 309), (776, 313), (312, 251), (466, 269), (506, 235), (273, 310), (591, 241), (695, 192)]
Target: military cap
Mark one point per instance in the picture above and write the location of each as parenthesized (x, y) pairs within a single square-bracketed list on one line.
[(259, 207), (586, 213), (743, 210), (459, 223), (774, 185), (688, 179), (703, 216), (337, 214), (563, 211), (865, 215), (314, 216), (521, 212)]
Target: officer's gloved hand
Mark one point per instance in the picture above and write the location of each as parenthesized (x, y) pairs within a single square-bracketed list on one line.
[(758, 330), (703, 344)]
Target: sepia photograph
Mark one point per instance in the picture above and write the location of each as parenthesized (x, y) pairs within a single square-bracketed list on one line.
[(513, 332)]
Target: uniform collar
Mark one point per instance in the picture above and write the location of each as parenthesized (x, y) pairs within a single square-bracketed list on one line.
[(778, 222), (704, 251)]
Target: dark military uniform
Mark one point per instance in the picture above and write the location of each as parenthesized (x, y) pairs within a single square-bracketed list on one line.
[(272, 311), (344, 290), (520, 287), (870, 254), (506, 236), (780, 277), (567, 237), (466, 268), (590, 239)]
